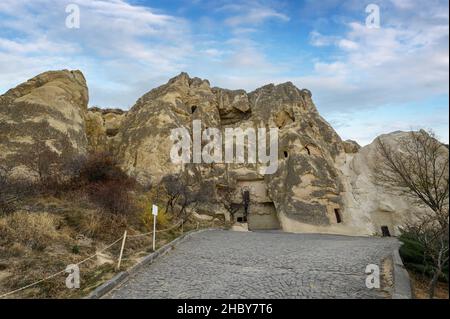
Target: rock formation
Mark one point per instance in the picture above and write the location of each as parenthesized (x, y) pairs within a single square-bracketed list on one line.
[(102, 125), (322, 184), (368, 206), (306, 186), (45, 115)]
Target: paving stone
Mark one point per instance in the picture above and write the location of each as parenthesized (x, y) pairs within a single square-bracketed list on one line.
[(226, 264)]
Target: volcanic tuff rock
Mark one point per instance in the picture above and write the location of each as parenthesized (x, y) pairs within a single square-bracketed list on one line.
[(50, 108), (368, 205), (102, 125), (351, 146), (322, 184), (145, 144), (306, 186)]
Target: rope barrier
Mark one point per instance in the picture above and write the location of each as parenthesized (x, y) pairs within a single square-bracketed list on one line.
[(158, 231), (60, 272), (33, 284), (89, 258)]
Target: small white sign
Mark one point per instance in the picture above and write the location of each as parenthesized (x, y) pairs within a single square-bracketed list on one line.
[(155, 210)]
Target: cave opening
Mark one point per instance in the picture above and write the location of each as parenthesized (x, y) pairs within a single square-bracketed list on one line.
[(193, 108), (337, 213), (308, 150), (385, 231)]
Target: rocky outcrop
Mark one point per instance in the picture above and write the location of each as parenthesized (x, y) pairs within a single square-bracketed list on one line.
[(144, 147), (351, 146), (45, 115), (321, 184), (306, 187), (368, 206), (102, 125)]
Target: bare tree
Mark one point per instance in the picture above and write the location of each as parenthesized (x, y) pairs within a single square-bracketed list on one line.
[(226, 195), (187, 190), (172, 186), (40, 158), (182, 190), (6, 200), (417, 167), (12, 190)]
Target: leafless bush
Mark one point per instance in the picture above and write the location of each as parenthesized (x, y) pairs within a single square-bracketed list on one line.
[(185, 191), (12, 191), (226, 195), (5, 205), (106, 184), (112, 196), (100, 167), (418, 168)]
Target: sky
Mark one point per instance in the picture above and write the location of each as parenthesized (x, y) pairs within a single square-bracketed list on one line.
[(365, 80)]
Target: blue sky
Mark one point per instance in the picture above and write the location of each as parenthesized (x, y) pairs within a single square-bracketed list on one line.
[(365, 81)]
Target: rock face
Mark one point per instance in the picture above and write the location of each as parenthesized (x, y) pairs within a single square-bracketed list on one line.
[(43, 115), (144, 136), (102, 125), (368, 207), (321, 184), (351, 146), (305, 188)]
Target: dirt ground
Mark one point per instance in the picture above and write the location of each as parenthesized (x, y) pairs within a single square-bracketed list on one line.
[(420, 287)]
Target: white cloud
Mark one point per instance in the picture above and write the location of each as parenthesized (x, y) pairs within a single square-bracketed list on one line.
[(126, 49), (403, 61), (373, 71), (348, 44), (364, 126), (403, 4), (134, 37), (319, 40), (251, 13)]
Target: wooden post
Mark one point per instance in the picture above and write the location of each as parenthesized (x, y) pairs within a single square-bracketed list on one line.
[(154, 213), (121, 249), (154, 231)]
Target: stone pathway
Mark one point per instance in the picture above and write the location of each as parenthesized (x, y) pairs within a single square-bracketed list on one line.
[(226, 264)]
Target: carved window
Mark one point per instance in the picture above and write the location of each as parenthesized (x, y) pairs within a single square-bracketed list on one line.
[(337, 213), (307, 149)]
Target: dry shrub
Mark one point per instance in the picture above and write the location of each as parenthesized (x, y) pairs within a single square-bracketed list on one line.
[(101, 167), (112, 196), (17, 250), (12, 191), (100, 225), (105, 183), (91, 225), (36, 231)]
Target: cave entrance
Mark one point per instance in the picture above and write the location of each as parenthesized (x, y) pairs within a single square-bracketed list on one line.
[(385, 231), (253, 205), (263, 216)]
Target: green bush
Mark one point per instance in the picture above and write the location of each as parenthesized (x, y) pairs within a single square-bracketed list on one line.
[(412, 253)]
